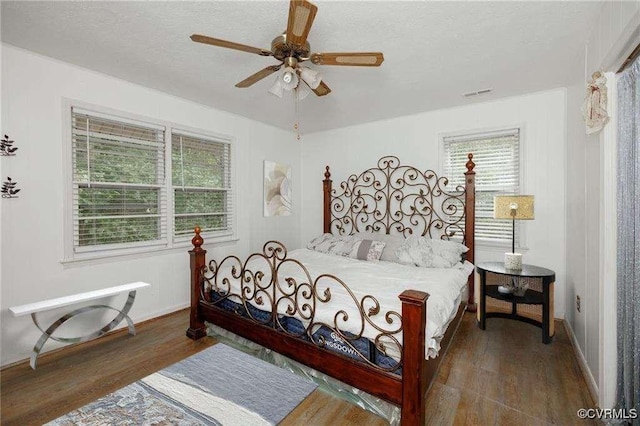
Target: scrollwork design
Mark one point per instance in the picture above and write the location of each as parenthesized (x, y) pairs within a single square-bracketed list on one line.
[(282, 287), (355, 315), (398, 199), (231, 279)]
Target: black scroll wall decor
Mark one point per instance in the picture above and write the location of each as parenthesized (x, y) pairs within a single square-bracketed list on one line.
[(9, 189), (9, 186), (6, 147)]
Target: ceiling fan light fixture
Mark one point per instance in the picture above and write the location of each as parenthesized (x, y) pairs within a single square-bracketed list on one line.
[(289, 79), (311, 77), (302, 91), (277, 89)]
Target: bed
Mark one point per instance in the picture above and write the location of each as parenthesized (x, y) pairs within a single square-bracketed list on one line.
[(325, 309)]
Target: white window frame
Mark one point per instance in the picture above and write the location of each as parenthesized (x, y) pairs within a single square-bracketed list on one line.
[(231, 191), (137, 249), (520, 228)]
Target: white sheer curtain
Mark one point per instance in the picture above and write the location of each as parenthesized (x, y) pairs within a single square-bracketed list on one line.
[(628, 262)]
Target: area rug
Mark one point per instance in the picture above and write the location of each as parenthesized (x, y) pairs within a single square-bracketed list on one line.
[(218, 386)]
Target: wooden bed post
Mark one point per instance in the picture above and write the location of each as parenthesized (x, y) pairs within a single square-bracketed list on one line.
[(326, 187), (414, 314), (470, 225), (196, 328)]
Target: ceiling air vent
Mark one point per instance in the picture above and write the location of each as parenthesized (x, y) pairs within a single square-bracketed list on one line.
[(479, 92)]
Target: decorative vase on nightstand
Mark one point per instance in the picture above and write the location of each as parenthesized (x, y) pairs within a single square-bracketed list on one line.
[(513, 261), (520, 288)]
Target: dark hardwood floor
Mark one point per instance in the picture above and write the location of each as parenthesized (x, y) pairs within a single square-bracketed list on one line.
[(503, 375)]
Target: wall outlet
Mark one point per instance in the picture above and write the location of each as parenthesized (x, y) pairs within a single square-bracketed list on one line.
[(578, 303)]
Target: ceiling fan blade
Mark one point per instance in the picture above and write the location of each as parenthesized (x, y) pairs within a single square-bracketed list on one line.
[(301, 15), (258, 76), (322, 89), (356, 59), (229, 45)]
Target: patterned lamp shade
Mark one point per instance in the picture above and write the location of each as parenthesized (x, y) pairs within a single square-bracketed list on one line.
[(517, 207)]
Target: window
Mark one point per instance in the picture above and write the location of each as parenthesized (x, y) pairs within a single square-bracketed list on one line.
[(201, 184), (497, 158), (122, 200)]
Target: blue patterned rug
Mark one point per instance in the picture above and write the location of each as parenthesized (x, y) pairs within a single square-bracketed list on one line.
[(218, 386)]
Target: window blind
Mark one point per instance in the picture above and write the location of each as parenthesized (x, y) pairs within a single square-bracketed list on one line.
[(201, 169), (497, 158), (119, 198)]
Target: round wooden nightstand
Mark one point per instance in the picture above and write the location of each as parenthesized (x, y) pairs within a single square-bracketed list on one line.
[(530, 297)]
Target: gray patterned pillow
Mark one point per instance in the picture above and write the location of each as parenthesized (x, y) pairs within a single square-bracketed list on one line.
[(367, 250), (392, 244)]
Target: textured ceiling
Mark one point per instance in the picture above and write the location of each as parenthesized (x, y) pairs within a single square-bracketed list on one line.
[(434, 51)]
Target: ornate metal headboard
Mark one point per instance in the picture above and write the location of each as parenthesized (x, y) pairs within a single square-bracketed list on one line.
[(400, 199)]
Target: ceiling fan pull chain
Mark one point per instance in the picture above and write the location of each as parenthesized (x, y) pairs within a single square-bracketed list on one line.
[(296, 126)]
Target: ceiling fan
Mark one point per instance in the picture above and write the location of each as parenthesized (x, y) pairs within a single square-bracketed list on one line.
[(291, 48)]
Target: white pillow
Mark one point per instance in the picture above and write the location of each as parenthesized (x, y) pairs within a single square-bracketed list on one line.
[(446, 253), (413, 252), (317, 241), (429, 253), (339, 245)]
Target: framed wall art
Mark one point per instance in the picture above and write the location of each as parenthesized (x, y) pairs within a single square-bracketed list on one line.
[(277, 189)]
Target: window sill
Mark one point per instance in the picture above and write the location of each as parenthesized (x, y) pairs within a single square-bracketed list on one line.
[(92, 258)]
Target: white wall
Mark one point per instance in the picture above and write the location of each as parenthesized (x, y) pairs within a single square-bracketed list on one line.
[(415, 140), (32, 225), (1, 169), (591, 193)]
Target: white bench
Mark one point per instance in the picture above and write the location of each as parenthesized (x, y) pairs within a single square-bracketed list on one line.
[(34, 308)]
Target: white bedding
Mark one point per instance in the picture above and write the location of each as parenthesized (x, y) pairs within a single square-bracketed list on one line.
[(383, 280)]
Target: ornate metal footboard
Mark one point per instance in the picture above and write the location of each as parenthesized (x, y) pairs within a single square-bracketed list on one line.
[(275, 291), (263, 298)]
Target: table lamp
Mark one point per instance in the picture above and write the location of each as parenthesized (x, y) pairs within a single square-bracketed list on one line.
[(514, 207)]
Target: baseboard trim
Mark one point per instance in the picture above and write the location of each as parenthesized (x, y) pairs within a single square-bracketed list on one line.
[(118, 330), (161, 313), (582, 362)]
